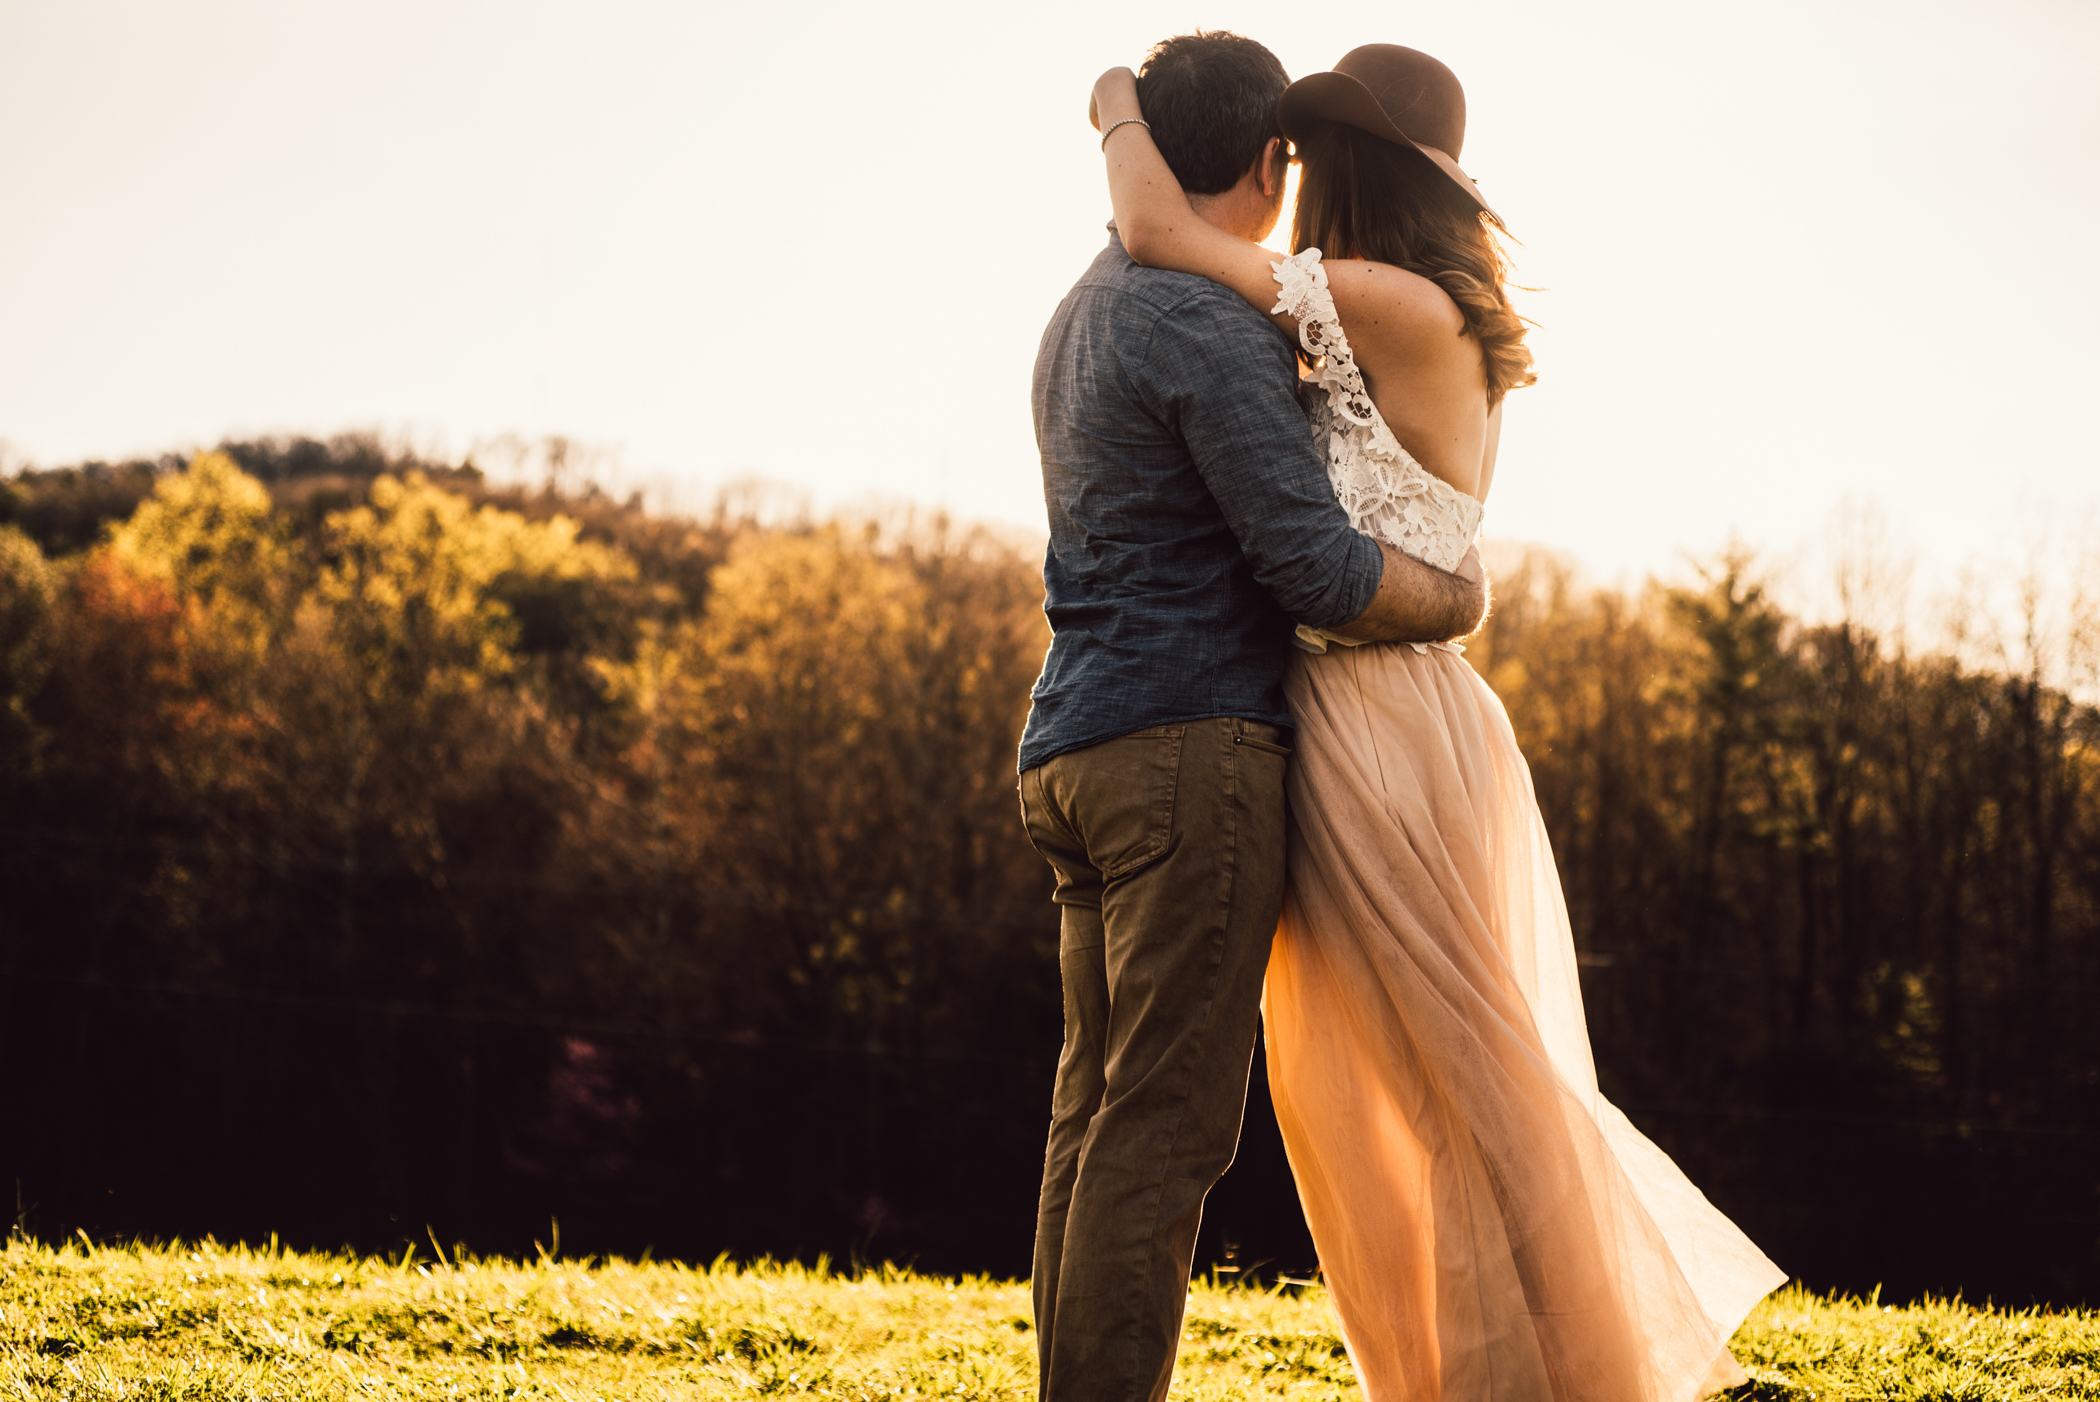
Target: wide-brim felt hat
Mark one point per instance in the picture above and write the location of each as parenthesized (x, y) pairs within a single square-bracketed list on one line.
[(1399, 94)]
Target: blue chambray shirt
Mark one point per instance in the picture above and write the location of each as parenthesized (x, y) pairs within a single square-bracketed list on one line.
[(1191, 522)]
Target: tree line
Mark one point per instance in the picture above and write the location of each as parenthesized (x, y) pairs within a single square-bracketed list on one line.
[(387, 849)]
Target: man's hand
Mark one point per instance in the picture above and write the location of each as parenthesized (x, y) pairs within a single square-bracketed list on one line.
[(1418, 603)]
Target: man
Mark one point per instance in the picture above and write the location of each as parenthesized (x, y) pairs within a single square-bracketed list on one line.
[(1191, 524)]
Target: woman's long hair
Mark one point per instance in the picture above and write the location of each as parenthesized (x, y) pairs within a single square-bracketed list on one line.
[(1361, 197)]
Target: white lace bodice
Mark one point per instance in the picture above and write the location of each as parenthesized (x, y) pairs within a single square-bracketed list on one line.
[(1388, 495)]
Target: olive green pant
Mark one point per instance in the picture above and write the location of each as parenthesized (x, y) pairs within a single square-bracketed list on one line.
[(1168, 847)]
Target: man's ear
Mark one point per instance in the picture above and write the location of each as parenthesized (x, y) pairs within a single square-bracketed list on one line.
[(1271, 169)]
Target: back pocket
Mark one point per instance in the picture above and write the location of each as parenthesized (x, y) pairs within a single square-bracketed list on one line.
[(1130, 787)]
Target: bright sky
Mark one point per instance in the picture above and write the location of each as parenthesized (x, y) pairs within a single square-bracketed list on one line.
[(1799, 255)]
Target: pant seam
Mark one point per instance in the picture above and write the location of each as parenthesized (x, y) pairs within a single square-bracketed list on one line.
[(1221, 935)]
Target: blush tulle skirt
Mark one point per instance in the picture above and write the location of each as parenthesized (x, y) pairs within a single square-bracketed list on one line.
[(1490, 1228)]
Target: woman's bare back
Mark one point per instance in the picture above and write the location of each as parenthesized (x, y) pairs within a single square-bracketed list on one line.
[(1423, 371)]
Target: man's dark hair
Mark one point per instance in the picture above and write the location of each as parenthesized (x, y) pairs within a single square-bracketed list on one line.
[(1211, 102)]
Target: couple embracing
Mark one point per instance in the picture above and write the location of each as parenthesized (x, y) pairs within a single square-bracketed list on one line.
[(1264, 479)]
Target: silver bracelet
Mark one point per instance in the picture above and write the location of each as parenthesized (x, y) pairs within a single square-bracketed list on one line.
[(1124, 123)]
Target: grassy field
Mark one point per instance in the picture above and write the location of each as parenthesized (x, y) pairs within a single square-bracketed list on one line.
[(211, 1322)]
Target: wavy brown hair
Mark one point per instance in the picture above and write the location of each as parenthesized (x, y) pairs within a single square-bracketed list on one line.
[(1361, 197)]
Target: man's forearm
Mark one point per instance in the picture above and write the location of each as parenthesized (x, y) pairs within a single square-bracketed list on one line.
[(1418, 603)]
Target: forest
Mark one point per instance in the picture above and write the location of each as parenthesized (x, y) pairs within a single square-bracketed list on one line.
[(391, 851)]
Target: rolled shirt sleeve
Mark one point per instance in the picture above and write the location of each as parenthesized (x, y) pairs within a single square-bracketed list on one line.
[(1215, 381)]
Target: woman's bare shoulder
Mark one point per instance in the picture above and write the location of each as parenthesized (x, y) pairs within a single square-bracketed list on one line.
[(1377, 301)]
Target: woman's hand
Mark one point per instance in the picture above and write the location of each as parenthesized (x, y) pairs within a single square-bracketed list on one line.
[(1114, 98)]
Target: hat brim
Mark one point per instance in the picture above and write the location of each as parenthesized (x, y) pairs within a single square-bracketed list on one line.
[(1337, 97)]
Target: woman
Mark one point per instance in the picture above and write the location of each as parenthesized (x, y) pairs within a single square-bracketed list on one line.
[(1490, 1227)]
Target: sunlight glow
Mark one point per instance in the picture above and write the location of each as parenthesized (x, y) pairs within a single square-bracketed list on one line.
[(628, 225)]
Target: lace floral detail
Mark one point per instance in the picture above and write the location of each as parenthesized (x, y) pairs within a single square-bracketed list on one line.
[(1388, 495)]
